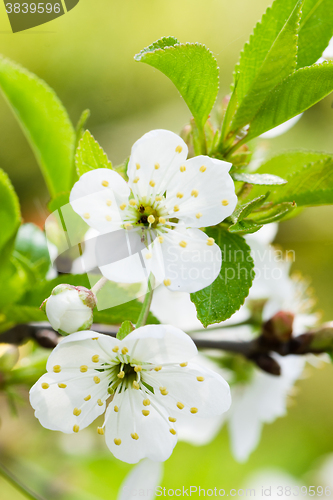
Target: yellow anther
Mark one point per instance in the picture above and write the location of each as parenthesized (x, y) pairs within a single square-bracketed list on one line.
[(121, 374), (171, 419), (86, 215), (135, 436), (179, 149), (116, 409), (182, 168), (164, 391), (87, 398), (148, 256), (151, 219), (105, 183), (76, 428), (225, 203), (123, 206), (160, 239), (176, 208), (157, 166), (138, 368), (162, 220), (157, 368), (146, 402), (128, 226), (136, 385), (94, 338), (180, 406), (194, 410), (173, 431), (145, 413), (138, 166), (132, 203), (57, 368), (97, 380), (100, 402), (158, 198), (136, 180), (180, 195), (198, 215), (210, 242), (62, 386), (124, 350), (83, 368), (203, 168), (200, 379), (115, 349), (100, 430), (108, 218), (183, 364), (45, 385), (95, 358), (152, 183), (194, 193), (109, 203), (76, 412), (117, 442), (167, 282), (183, 244)]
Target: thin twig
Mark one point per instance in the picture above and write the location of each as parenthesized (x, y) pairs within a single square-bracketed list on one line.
[(14, 481)]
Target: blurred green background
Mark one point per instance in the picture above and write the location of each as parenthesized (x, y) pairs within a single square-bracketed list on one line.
[(87, 57)]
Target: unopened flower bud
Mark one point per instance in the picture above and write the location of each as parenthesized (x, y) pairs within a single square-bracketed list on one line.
[(69, 308), (280, 326)]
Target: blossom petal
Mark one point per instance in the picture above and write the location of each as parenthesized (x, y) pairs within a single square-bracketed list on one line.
[(97, 196), (146, 477), (130, 435), (159, 344), (203, 193), (190, 260), (70, 400), (190, 389), (154, 160)]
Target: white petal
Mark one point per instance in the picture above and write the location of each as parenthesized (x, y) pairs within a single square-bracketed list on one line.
[(155, 439), (175, 308), (208, 195), (265, 235), (143, 478), (198, 431), (55, 406), (158, 344), (97, 196), (159, 148), (208, 397), (189, 264), (281, 129)]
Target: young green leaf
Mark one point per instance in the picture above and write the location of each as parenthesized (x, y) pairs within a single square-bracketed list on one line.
[(274, 213), (10, 215), (260, 179), (247, 226), (193, 70), (227, 293), (126, 328), (298, 92), (315, 31), (90, 155), (245, 210), (31, 244), (268, 58), (44, 121)]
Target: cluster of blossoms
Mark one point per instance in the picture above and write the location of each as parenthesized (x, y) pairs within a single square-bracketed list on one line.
[(147, 380)]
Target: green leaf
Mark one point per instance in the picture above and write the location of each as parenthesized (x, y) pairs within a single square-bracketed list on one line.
[(60, 200), (193, 70), (90, 155), (126, 328), (310, 186), (268, 58), (10, 215), (316, 30), (245, 210), (260, 179), (31, 244), (274, 213), (227, 293), (245, 227), (44, 121), (298, 92)]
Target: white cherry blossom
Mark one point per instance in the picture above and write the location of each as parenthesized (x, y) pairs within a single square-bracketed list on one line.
[(149, 379), (152, 223)]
